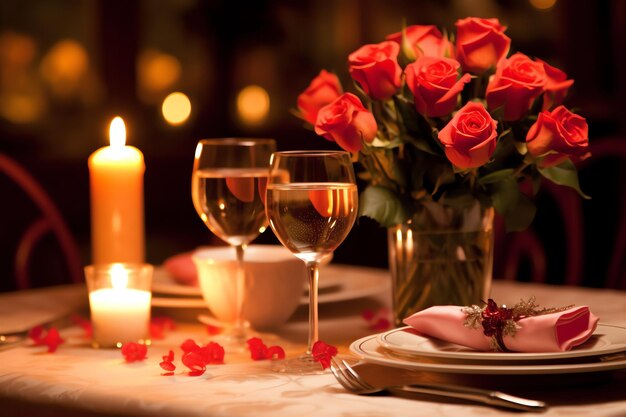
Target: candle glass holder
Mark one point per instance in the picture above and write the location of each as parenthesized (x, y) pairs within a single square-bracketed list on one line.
[(119, 301)]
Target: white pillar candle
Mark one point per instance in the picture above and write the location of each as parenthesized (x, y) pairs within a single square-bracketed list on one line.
[(119, 314)]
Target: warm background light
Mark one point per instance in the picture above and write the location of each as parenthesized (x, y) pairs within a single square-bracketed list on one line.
[(117, 133), (542, 4), (176, 108), (157, 73), (253, 105), (64, 67)]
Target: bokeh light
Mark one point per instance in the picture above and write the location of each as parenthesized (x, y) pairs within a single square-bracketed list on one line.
[(542, 4), (253, 105), (65, 67), (176, 108), (157, 73)]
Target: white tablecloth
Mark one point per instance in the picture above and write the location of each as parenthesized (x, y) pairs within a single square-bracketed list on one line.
[(80, 380)]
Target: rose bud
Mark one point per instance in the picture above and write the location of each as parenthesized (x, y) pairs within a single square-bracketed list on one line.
[(375, 67), (322, 90), (480, 43), (346, 122)]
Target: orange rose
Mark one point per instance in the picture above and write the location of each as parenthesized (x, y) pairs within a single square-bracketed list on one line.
[(323, 90), (425, 41), (557, 135), (346, 122), (470, 137), (517, 82), (375, 67), (480, 43), (556, 86), (435, 84)]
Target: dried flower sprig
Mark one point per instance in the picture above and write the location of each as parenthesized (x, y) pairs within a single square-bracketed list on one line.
[(498, 322)]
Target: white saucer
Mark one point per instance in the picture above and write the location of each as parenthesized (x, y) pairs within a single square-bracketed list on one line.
[(406, 341)]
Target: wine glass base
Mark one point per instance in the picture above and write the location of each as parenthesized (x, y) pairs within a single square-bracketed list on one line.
[(302, 365), (233, 339)]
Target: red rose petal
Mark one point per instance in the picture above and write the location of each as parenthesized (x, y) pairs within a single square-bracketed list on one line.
[(52, 340), (168, 366), (259, 351), (195, 362), (189, 346), (381, 324), (169, 357), (377, 321), (159, 325), (36, 335), (213, 330), (85, 324), (133, 352), (275, 352), (367, 314), (213, 353), (323, 353)]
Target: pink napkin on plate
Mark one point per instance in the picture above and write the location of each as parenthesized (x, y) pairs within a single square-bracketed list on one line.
[(182, 268), (554, 332)]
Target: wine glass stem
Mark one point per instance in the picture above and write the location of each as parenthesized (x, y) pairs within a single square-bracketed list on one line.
[(313, 270), (240, 290)]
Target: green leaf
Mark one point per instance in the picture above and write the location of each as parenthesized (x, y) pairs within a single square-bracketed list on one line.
[(517, 209), (564, 174), (504, 194), (421, 144), (407, 55), (382, 205), (496, 176)]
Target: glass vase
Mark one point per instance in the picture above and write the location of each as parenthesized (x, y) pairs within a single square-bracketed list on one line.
[(441, 256)]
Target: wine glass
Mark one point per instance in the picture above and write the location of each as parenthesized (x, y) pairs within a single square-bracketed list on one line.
[(311, 205), (228, 192)]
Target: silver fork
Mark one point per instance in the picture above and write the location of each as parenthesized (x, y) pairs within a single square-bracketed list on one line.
[(353, 382)]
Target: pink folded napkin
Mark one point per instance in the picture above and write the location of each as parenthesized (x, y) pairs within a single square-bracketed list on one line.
[(553, 332), (182, 268)]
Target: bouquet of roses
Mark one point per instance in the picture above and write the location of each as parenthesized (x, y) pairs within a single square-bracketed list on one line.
[(452, 120)]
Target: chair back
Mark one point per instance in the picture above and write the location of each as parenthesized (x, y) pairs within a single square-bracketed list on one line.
[(591, 243), (49, 220)]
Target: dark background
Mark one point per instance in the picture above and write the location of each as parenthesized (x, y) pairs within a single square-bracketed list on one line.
[(56, 102)]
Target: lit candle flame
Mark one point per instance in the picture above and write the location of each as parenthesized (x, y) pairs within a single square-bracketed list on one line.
[(119, 276), (117, 133)]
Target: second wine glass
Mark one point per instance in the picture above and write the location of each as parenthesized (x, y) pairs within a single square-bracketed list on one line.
[(311, 205), (228, 192)]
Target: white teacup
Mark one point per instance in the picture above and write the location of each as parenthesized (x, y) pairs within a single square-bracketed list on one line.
[(275, 281)]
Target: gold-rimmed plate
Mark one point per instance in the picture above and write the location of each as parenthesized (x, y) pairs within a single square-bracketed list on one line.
[(406, 341), (370, 350)]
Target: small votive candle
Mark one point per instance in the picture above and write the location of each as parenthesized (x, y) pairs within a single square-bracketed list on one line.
[(119, 300)]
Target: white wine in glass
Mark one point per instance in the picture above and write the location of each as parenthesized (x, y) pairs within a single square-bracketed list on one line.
[(311, 207), (228, 192)]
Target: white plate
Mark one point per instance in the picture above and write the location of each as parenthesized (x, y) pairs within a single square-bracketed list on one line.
[(336, 283), (370, 350), (178, 302), (606, 339), (164, 283)]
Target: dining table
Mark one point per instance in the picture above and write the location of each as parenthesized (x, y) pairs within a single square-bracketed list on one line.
[(78, 379)]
